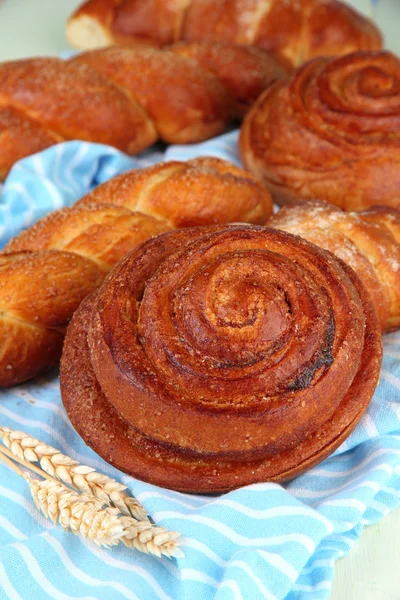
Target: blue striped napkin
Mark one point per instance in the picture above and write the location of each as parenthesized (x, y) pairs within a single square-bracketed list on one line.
[(264, 541)]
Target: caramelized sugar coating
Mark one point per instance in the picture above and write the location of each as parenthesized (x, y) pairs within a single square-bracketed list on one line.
[(216, 357), (331, 132)]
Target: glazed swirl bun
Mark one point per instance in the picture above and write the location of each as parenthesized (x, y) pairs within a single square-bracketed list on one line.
[(215, 357), (331, 132)]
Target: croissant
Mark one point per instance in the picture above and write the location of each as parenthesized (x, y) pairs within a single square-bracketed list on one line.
[(182, 95), (48, 269), (331, 131), (368, 241), (216, 357), (294, 30)]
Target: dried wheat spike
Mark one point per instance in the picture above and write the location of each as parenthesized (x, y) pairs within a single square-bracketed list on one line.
[(76, 512), (155, 540), (83, 478), (102, 524)]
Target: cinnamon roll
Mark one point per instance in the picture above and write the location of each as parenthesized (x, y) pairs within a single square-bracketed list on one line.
[(220, 356), (331, 132)]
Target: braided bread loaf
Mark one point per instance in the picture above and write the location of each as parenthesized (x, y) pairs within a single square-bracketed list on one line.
[(331, 131), (47, 270), (368, 241), (215, 357), (294, 30), (128, 98)]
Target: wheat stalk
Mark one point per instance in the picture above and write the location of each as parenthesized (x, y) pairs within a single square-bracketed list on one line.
[(102, 524), (77, 512), (83, 478), (89, 512)]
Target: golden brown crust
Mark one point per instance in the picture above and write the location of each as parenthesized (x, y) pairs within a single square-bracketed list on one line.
[(140, 19), (54, 93), (368, 241), (337, 25), (383, 216), (82, 243), (196, 106), (39, 291), (202, 191), (220, 360), (44, 100), (244, 71), (101, 232), (294, 30), (331, 132)]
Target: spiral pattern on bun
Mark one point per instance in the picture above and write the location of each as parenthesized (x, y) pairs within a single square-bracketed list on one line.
[(215, 357), (331, 132)]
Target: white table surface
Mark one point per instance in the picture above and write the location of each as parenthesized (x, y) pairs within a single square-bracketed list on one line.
[(36, 27)]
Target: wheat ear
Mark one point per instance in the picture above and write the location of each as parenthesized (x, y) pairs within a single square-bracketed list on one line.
[(62, 467), (104, 525), (76, 512), (92, 517)]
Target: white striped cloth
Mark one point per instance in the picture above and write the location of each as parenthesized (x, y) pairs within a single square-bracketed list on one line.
[(264, 541)]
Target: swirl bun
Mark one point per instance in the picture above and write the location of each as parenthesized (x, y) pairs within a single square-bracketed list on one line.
[(331, 132), (220, 356)]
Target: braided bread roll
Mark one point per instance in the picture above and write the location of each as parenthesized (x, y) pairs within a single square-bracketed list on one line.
[(294, 30), (46, 100), (48, 269), (216, 357), (368, 241), (331, 131)]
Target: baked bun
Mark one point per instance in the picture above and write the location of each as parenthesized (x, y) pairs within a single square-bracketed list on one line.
[(368, 241), (331, 131), (128, 98), (216, 357), (293, 30)]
